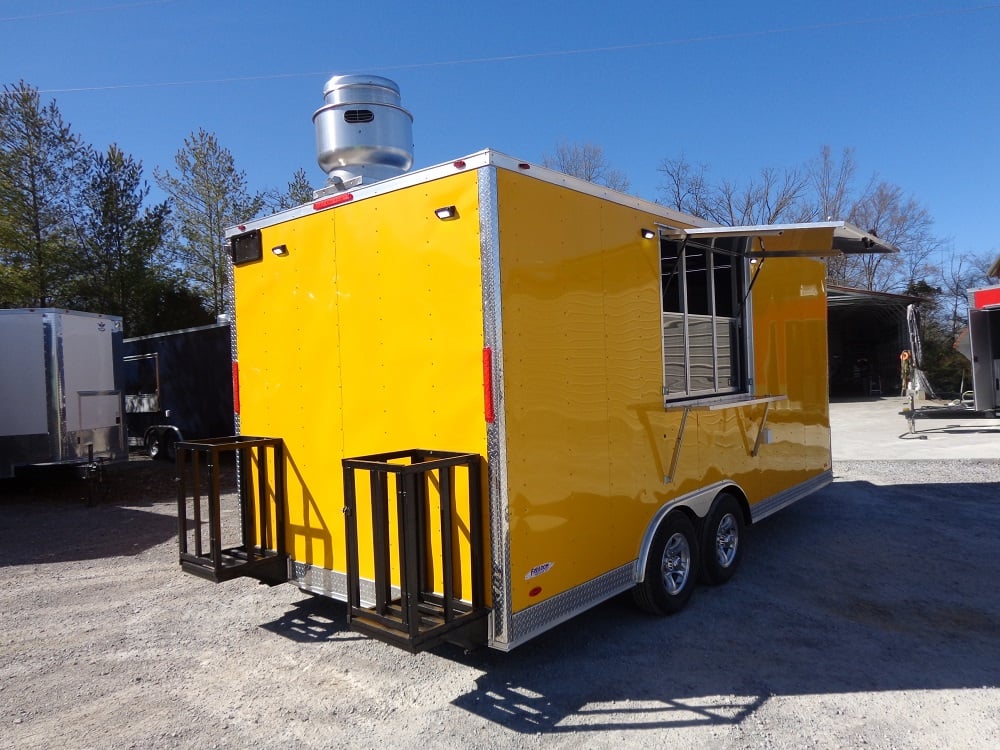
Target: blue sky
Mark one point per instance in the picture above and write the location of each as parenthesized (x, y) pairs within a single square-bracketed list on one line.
[(912, 85)]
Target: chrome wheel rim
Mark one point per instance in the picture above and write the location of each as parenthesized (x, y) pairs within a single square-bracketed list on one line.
[(676, 565), (727, 540)]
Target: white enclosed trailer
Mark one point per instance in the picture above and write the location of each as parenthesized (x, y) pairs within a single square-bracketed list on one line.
[(60, 388)]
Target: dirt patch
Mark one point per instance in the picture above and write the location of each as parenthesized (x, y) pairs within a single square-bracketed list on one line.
[(864, 615)]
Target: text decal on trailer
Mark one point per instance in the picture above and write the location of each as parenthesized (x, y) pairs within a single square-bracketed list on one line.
[(538, 570)]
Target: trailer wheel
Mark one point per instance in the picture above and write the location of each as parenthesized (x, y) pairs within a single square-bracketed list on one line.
[(671, 568), (153, 445), (723, 540)]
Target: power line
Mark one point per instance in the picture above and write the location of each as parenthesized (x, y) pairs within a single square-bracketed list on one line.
[(551, 53), (78, 11)]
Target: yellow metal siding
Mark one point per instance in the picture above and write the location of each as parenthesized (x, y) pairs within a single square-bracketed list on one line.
[(365, 338), (580, 315), (588, 440), (789, 306)]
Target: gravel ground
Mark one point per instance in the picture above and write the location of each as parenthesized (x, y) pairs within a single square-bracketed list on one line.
[(864, 616)]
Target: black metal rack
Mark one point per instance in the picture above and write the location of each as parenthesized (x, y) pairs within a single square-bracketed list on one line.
[(260, 553), (411, 615)]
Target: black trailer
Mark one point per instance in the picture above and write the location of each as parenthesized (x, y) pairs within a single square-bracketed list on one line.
[(178, 386)]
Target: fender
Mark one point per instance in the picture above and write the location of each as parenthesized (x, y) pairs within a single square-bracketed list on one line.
[(159, 434), (698, 502)]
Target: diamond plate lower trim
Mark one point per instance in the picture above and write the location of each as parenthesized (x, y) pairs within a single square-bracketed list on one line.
[(783, 499), (331, 583), (530, 622)]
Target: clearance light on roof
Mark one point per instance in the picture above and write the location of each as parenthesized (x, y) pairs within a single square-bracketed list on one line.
[(333, 200), (446, 213)]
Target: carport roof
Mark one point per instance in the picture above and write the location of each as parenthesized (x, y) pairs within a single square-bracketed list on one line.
[(845, 296)]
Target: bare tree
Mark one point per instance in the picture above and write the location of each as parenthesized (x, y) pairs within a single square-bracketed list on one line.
[(833, 183), (773, 196), (903, 222), (825, 189), (588, 162), (684, 186), (959, 273)]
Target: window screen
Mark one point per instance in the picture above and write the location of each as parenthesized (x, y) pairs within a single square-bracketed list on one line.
[(702, 285)]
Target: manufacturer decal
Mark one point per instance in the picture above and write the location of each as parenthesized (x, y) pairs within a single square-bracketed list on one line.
[(101, 326), (538, 570)]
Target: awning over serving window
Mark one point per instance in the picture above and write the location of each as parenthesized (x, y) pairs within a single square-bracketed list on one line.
[(817, 239)]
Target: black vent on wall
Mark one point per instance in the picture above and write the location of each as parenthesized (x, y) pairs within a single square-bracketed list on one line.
[(354, 116), (247, 247)]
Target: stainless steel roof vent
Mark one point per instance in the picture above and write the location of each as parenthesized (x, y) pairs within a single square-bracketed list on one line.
[(362, 132)]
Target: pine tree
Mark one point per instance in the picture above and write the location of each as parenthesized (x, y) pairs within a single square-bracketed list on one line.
[(43, 167), (208, 193), (121, 241), (297, 192)]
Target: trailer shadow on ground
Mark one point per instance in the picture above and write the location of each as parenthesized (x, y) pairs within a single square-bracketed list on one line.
[(84, 532), (315, 619), (859, 588), (58, 516)]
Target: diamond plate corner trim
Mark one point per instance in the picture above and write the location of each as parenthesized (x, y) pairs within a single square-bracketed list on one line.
[(496, 448), (229, 301), (532, 621)]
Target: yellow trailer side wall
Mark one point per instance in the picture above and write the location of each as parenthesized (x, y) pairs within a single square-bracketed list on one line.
[(366, 337), (588, 441)]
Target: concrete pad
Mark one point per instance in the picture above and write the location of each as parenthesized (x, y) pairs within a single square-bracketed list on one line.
[(875, 429)]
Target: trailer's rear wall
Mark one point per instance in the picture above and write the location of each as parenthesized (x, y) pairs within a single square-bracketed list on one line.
[(366, 337), (88, 365), (195, 381)]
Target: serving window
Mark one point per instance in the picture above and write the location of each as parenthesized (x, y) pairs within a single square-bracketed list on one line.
[(704, 318)]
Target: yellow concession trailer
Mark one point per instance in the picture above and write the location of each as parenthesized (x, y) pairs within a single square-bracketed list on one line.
[(479, 398)]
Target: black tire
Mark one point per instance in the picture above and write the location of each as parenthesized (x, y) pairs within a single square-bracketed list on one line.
[(672, 567), (723, 539), (153, 445)]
